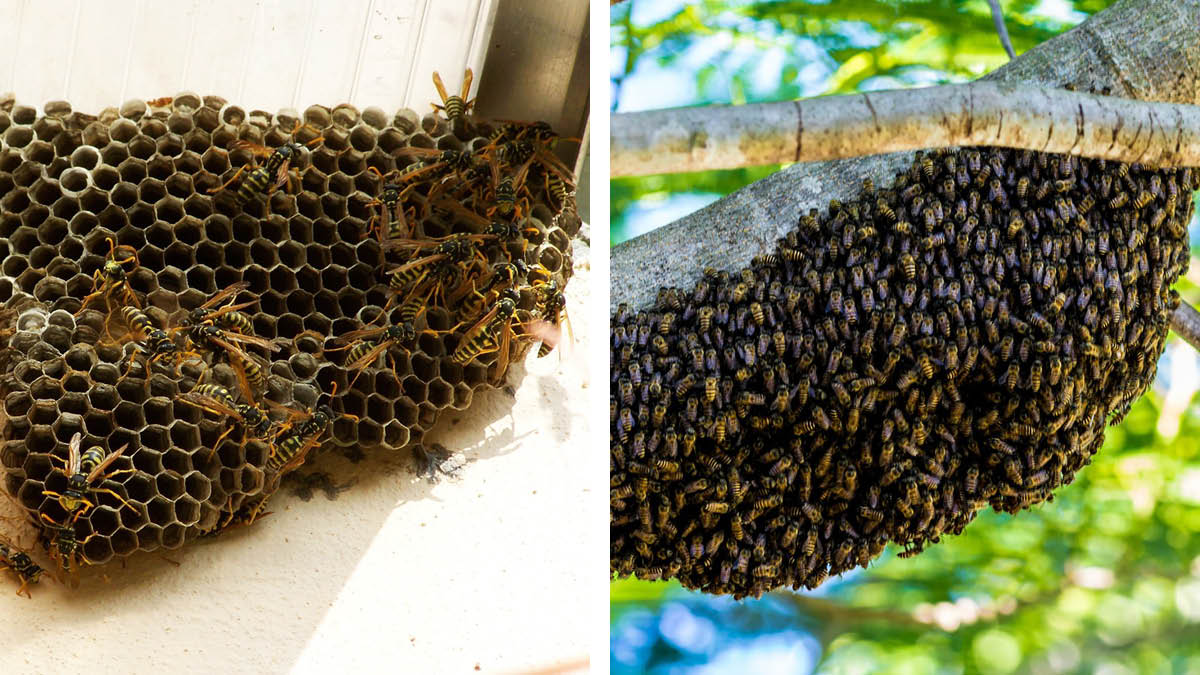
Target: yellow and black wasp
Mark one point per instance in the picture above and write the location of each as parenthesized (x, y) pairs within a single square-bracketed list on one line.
[(441, 262), (563, 191), (490, 232), (438, 167), (66, 549), (481, 337), (111, 281), (391, 222), (262, 180), (471, 300), (216, 341), (510, 198), (152, 343), (228, 317), (456, 108), (293, 444), (531, 144), (219, 400), (228, 324), (367, 344), (208, 336), (83, 469), (27, 571), (492, 333), (553, 307)]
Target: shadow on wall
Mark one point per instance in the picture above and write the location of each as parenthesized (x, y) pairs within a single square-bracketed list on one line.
[(224, 591)]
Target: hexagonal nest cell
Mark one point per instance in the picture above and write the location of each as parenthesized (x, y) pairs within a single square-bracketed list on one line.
[(455, 235)]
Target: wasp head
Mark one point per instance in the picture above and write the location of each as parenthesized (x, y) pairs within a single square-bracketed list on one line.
[(391, 193), (72, 499), (511, 295), (284, 153), (114, 270), (400, 333), (321, 418), (503, 230)]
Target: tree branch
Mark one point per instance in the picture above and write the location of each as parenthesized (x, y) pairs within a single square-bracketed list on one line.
[(1145, 50), (1001, 29), (1185, 321), (1010, 115)]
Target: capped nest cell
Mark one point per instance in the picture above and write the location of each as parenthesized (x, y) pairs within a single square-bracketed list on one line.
[(956, 340), (81, 193)]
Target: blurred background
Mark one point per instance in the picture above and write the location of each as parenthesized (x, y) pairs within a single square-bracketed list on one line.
[(1106, 578)]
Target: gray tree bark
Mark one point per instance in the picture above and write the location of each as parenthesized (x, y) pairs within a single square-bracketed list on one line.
[(1147, 50), (839, 127)]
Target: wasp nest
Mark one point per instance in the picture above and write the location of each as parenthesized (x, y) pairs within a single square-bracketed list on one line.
[(959, 339), (147, 177)]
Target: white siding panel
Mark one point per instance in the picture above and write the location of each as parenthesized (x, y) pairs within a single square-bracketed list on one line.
[(266, 54)]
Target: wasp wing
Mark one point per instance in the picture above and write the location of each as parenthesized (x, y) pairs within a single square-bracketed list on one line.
[(226, 340), (73, 454), (355, 335), (213, 405), (254, 148), (417, 264), (368, 358), (224, 293), (294, 462), (112, 456)]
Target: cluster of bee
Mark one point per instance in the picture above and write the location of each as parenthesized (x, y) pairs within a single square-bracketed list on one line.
[(164, 396), (956, 340)]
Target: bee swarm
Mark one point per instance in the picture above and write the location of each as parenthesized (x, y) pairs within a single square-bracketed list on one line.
[(956, 340), (69, 182)]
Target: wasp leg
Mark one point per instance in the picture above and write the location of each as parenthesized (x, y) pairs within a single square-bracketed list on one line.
[(98, 283), (375, 218), (232, 514), (356, 375), (129, 368), (230, 181), (61, 459), (255, 511), (75, 515), (123, 501), (108, 475), (392, 365), (221, 438)]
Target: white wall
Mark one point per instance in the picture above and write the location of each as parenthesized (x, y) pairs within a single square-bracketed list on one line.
[(264, 54)]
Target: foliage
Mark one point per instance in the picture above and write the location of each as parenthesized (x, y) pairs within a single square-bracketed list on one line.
[(1105, 577)]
